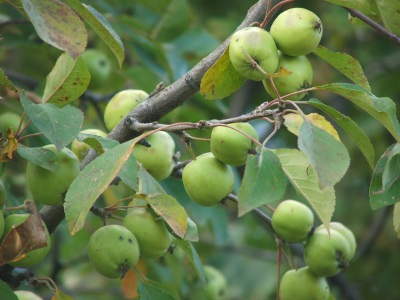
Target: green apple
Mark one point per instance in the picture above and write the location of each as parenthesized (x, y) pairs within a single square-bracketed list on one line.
[(260, 46), (81, 148), (327, 254), (207, 180), (26, 295), (34, 257), (99, 67), (121, 104), (216, 285), (49, 187), (113, 250), (346, 232), (296, 31), (230, 146), (3, 195), (301, 77), (157, 159), (292, 221), (150, 231), (302, 284), (9, 119)]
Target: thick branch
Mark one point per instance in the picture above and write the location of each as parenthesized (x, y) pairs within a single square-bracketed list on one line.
[(160, 104)]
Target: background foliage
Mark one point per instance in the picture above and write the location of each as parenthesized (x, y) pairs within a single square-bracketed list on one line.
[(163, 40)]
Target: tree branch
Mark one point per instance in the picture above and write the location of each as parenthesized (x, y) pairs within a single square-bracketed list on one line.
[(379, 28), (160, 104)]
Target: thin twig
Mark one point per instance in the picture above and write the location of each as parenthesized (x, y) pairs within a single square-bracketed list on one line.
[(379, 28)]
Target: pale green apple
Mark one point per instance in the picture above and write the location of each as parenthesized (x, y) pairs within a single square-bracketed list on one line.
[(49, 187), (157, 159), (9, 119), (292, 221), (302, 284), (296, 31), (207, 180), (27, 295), (121, 104), (150, 231), (113, 250), (216, 284), (301, 77), (260, 46), (99, 66), (230, 146)]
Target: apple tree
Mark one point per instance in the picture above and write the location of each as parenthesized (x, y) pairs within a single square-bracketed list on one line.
[(174, 149)]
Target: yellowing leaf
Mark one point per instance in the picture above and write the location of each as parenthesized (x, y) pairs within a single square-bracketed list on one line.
[(8, 146), (221, 79), (294, 121), (60, 295), (68, 79)]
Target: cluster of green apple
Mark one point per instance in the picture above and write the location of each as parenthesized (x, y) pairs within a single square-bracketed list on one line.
[(257, 54), (99, 67), (156, 159), (209, 178), (114, 249), (326, 252)]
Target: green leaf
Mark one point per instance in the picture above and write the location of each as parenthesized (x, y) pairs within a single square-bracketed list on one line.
[(57, 25), (378, 196), (98, 143), (67, 81), (129, 173), (367, 7), (6, 292), (304, 179), (391, 172), (91, 182), (193, 257), (396, 219), (59, 124), (382, 109), (6, 82), (390, 14), (151, 290), (39, 156), (345, 64), (171, 211), (351, 128), (221, 79), (147, 183), (328, 156), (101, 26), (263, 181), (192, 234)]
